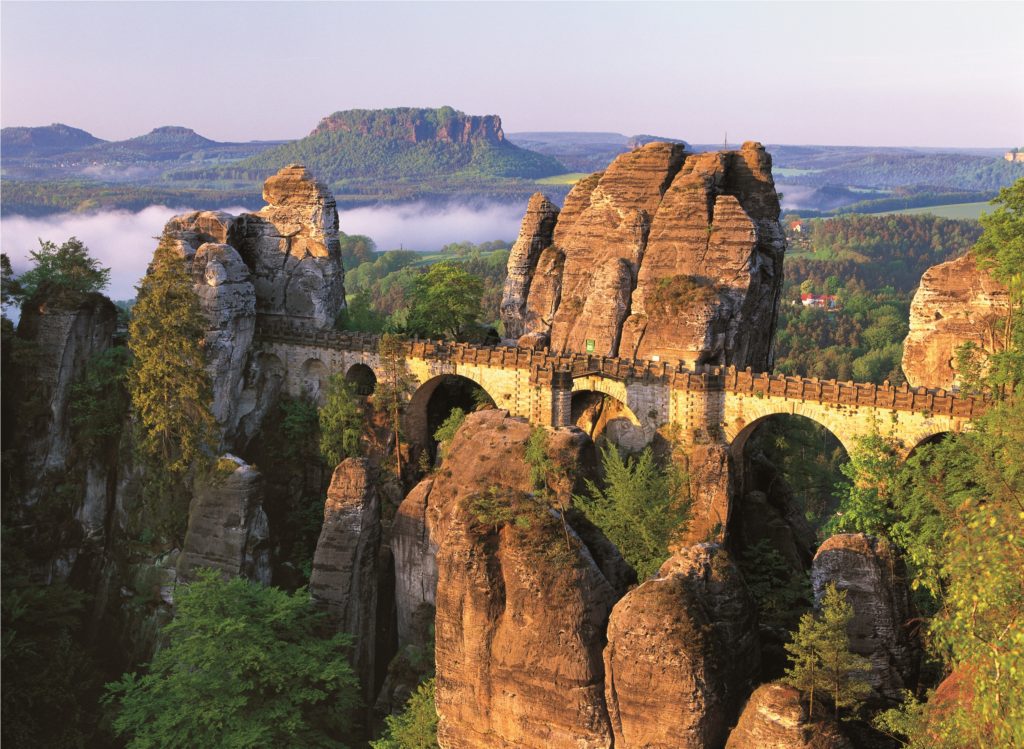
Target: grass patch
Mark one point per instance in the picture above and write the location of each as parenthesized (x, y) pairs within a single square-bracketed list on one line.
[(563, 179), (953, 211)]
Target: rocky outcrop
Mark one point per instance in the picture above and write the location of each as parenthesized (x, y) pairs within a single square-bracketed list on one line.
[(534, 237), (711, 489), (956, 303), (344, 577), (664, 254), (227, 528), (682, 652), (776, 717), (285, 262), (59, 341), (223, 284), (874, 579), (415, 555), (521, 598)]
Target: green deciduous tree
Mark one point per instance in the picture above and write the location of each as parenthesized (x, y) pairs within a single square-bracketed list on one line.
[(445, 433), (67, 270), (341, 421), (821, 661), (416, 726), (244, 666), (640, 508), (99, 400), (169, 385), (446, 301)]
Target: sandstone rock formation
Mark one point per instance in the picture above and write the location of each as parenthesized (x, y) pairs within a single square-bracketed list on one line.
[(534, 237), (664, 254), (415, 555), (682, 652), (774, 717), (227, 528), (62, 339), (955, 303), (415, 125), (874, 579), (711, 484), (283, 262), (344, 577), (521, 606)]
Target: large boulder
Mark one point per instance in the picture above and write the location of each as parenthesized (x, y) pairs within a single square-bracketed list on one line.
[(956, 303), (682, 653), (775, 716), (665, 254), (227, 527), (344, 577), (874, 579)]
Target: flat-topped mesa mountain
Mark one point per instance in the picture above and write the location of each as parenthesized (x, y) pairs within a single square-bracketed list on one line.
[(398, 144), (665, 254), (415, 125), (956, 303)]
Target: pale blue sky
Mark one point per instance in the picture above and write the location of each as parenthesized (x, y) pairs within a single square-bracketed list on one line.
[(923, 73)]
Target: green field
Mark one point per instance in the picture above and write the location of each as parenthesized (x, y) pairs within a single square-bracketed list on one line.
[(563, 179), (954, 210)]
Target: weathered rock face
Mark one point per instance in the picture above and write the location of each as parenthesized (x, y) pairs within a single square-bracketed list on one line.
[(664, 254), (711, 484), (227, 528), (682, 652), (956, 303), (874, 579), (62, 341), (534, 237), (344, 577), (224, 286), (774, 717), (520, 607), (284, 261), (290, 248), (415, 555)]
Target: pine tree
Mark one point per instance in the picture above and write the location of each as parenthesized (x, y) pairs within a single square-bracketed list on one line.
[(394, 386), (341, 422), (170, 387), (821, 657)]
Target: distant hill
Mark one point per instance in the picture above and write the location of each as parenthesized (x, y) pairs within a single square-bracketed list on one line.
[(401, 144), (583, 151), (36, 141)]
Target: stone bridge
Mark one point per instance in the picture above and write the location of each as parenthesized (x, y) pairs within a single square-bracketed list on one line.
[(713, 405)]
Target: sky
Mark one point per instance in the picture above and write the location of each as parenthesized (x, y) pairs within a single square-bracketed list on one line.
[(857, 73)]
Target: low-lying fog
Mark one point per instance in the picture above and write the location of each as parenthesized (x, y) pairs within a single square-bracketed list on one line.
[(124, 241)]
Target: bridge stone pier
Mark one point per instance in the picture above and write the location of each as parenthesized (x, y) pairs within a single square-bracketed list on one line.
[(714, 404)]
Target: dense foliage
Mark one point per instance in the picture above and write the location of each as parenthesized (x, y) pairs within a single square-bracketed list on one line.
[(955, 510), (67, 272), (170, 387), (416, 726), (445, 302), (244, 666), (341, 421), (641, 507)]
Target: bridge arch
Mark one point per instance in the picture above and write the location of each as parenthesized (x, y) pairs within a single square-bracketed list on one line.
[(313, 376), (435, 399), (363, 378), (598, 413), (755, 410)]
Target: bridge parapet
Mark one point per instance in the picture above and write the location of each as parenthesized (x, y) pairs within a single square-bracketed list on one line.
[(544, 366)]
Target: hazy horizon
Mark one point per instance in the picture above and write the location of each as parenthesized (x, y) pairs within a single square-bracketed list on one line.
[(932, 75)]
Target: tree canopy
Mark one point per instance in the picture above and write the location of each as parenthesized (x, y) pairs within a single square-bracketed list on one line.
[(68, 271), (446, 301), (244, 666)]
